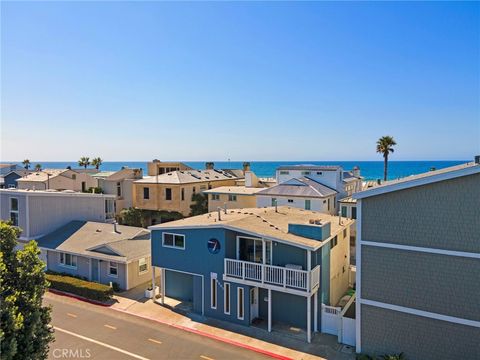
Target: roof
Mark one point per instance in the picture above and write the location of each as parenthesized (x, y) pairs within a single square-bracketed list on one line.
[(53, 192), (348, 176), (263, 222), (43, 175), (7, 165), (238, 190), (103, 174), (20, 172), (301, 187), (310, 167), (348, 200), (421, 179), (98, 240), (187, 176)]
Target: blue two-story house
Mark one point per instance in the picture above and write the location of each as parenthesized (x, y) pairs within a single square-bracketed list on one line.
[(270, 265)]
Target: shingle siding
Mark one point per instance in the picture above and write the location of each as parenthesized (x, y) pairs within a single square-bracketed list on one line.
[(442, 215), (387, 331), (436, 283)]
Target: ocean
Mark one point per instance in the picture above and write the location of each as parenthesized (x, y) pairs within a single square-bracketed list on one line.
[(370, 170)]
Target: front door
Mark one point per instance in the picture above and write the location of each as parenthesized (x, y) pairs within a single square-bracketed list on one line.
[(94, 265), (253, 304)]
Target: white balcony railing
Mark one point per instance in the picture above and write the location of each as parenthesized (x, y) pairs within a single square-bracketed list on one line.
[(273, 275)]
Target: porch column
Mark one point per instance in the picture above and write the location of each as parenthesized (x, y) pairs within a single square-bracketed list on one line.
[(162, 281), (309, 319), (315, 311), (153, 282), (269, 310)]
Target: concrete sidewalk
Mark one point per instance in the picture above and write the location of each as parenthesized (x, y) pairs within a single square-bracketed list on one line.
[(323, 346)]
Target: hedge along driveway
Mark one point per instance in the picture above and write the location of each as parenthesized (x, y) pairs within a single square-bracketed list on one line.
[(87, 289)]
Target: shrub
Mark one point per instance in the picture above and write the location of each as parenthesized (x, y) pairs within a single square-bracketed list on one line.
[(77, 286)]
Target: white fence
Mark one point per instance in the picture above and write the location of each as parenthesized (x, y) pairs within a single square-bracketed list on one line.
[(274, 275), (334, 322)]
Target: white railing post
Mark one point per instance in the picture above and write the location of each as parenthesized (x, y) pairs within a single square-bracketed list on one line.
[(243, 270), (284, 277)]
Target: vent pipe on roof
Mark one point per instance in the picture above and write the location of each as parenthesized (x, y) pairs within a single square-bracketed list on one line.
[(115, 227), (340, 217), (219, 213)]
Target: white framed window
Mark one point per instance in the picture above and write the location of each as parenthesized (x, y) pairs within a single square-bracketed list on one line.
[(112, 269), (240, 304), (215, 197), (213, 293), (290, 201), (305, 172), (142, 266), (14, 211), (68, 260), (284, 172), (226, 298), (232, 197), (176, 241)]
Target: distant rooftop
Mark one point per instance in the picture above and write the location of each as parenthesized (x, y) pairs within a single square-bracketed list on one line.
[(310, 167), (43, 175), (52, 192), (238, 190), (301, 187), (189, 176), (263, 222)]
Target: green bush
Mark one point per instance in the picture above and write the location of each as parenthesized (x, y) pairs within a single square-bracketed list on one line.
[(74, 285)]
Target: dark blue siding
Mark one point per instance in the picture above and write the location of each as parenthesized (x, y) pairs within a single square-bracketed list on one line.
[(179, 285)]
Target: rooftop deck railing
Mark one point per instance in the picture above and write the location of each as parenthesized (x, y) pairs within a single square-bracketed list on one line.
[(273, 275)]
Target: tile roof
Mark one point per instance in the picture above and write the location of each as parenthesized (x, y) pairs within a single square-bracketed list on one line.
[(86, 237), (188, 176), (238, 190), (302, 187), (265, 222)]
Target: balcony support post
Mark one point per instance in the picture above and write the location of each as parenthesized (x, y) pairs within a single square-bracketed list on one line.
[(269, 310), (309, 319), (162, 281), (309, 270), (315, 311)]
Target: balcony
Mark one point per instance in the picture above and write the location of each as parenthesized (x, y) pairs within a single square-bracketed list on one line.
[(276, 277)]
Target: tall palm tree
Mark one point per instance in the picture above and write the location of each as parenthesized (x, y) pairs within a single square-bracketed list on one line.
[(385, 146), (97, 162), (38, 167), (84, 161), (26, 164)]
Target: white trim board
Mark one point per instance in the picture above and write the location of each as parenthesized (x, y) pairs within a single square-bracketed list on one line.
[(421, 249), (405, 183), (411, 311)]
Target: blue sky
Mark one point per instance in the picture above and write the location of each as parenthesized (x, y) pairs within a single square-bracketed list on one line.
[(254, 81)]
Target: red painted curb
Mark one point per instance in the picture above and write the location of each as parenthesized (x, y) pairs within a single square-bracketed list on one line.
[(77, 297), (211, 336)]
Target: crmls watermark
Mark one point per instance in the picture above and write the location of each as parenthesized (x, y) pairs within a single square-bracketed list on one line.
[(71, 353)]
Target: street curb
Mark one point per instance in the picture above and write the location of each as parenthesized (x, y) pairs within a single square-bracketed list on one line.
[(211, 336), (78, 297)]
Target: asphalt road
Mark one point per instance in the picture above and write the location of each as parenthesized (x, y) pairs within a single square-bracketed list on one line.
[(86, 331)]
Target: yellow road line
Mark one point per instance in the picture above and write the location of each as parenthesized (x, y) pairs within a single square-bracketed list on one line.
[(155, 341), (206, 357), (110, 327), (72, 315)]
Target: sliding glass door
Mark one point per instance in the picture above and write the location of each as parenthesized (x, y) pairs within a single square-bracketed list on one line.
[(250, 249)]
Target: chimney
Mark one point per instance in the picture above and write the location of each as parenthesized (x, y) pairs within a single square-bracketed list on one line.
[(356, 171), (219, 213), (477, 159), (246, 166), (209, 165), (115, 227)]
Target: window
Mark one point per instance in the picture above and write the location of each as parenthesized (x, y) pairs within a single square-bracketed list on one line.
[(308, 205), (226, 298), (84, 186), (112, 269), (290, 201), (240, 304), (305, 172), (274, 201), (354, 212), (14, 211), (146, 193), (334, 242), (119, 189), (344, 211), (68, 260), (319, 173), (74, 177), (183, 194), (232, 197), (328, 204), (215, 197), (142, 265), (193, 190), (168, 194), (203, 187), (284, 172), (174, 240), (213, 293)]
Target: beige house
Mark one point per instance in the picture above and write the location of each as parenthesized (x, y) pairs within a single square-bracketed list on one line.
[(173, 191), (57, 179), (120, 184), (157, 167), (232, 197)]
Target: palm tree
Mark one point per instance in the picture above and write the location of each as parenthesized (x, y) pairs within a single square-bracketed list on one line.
[(26, 164), (38, 167), (84, 161), (97, 162), (385, 146)]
